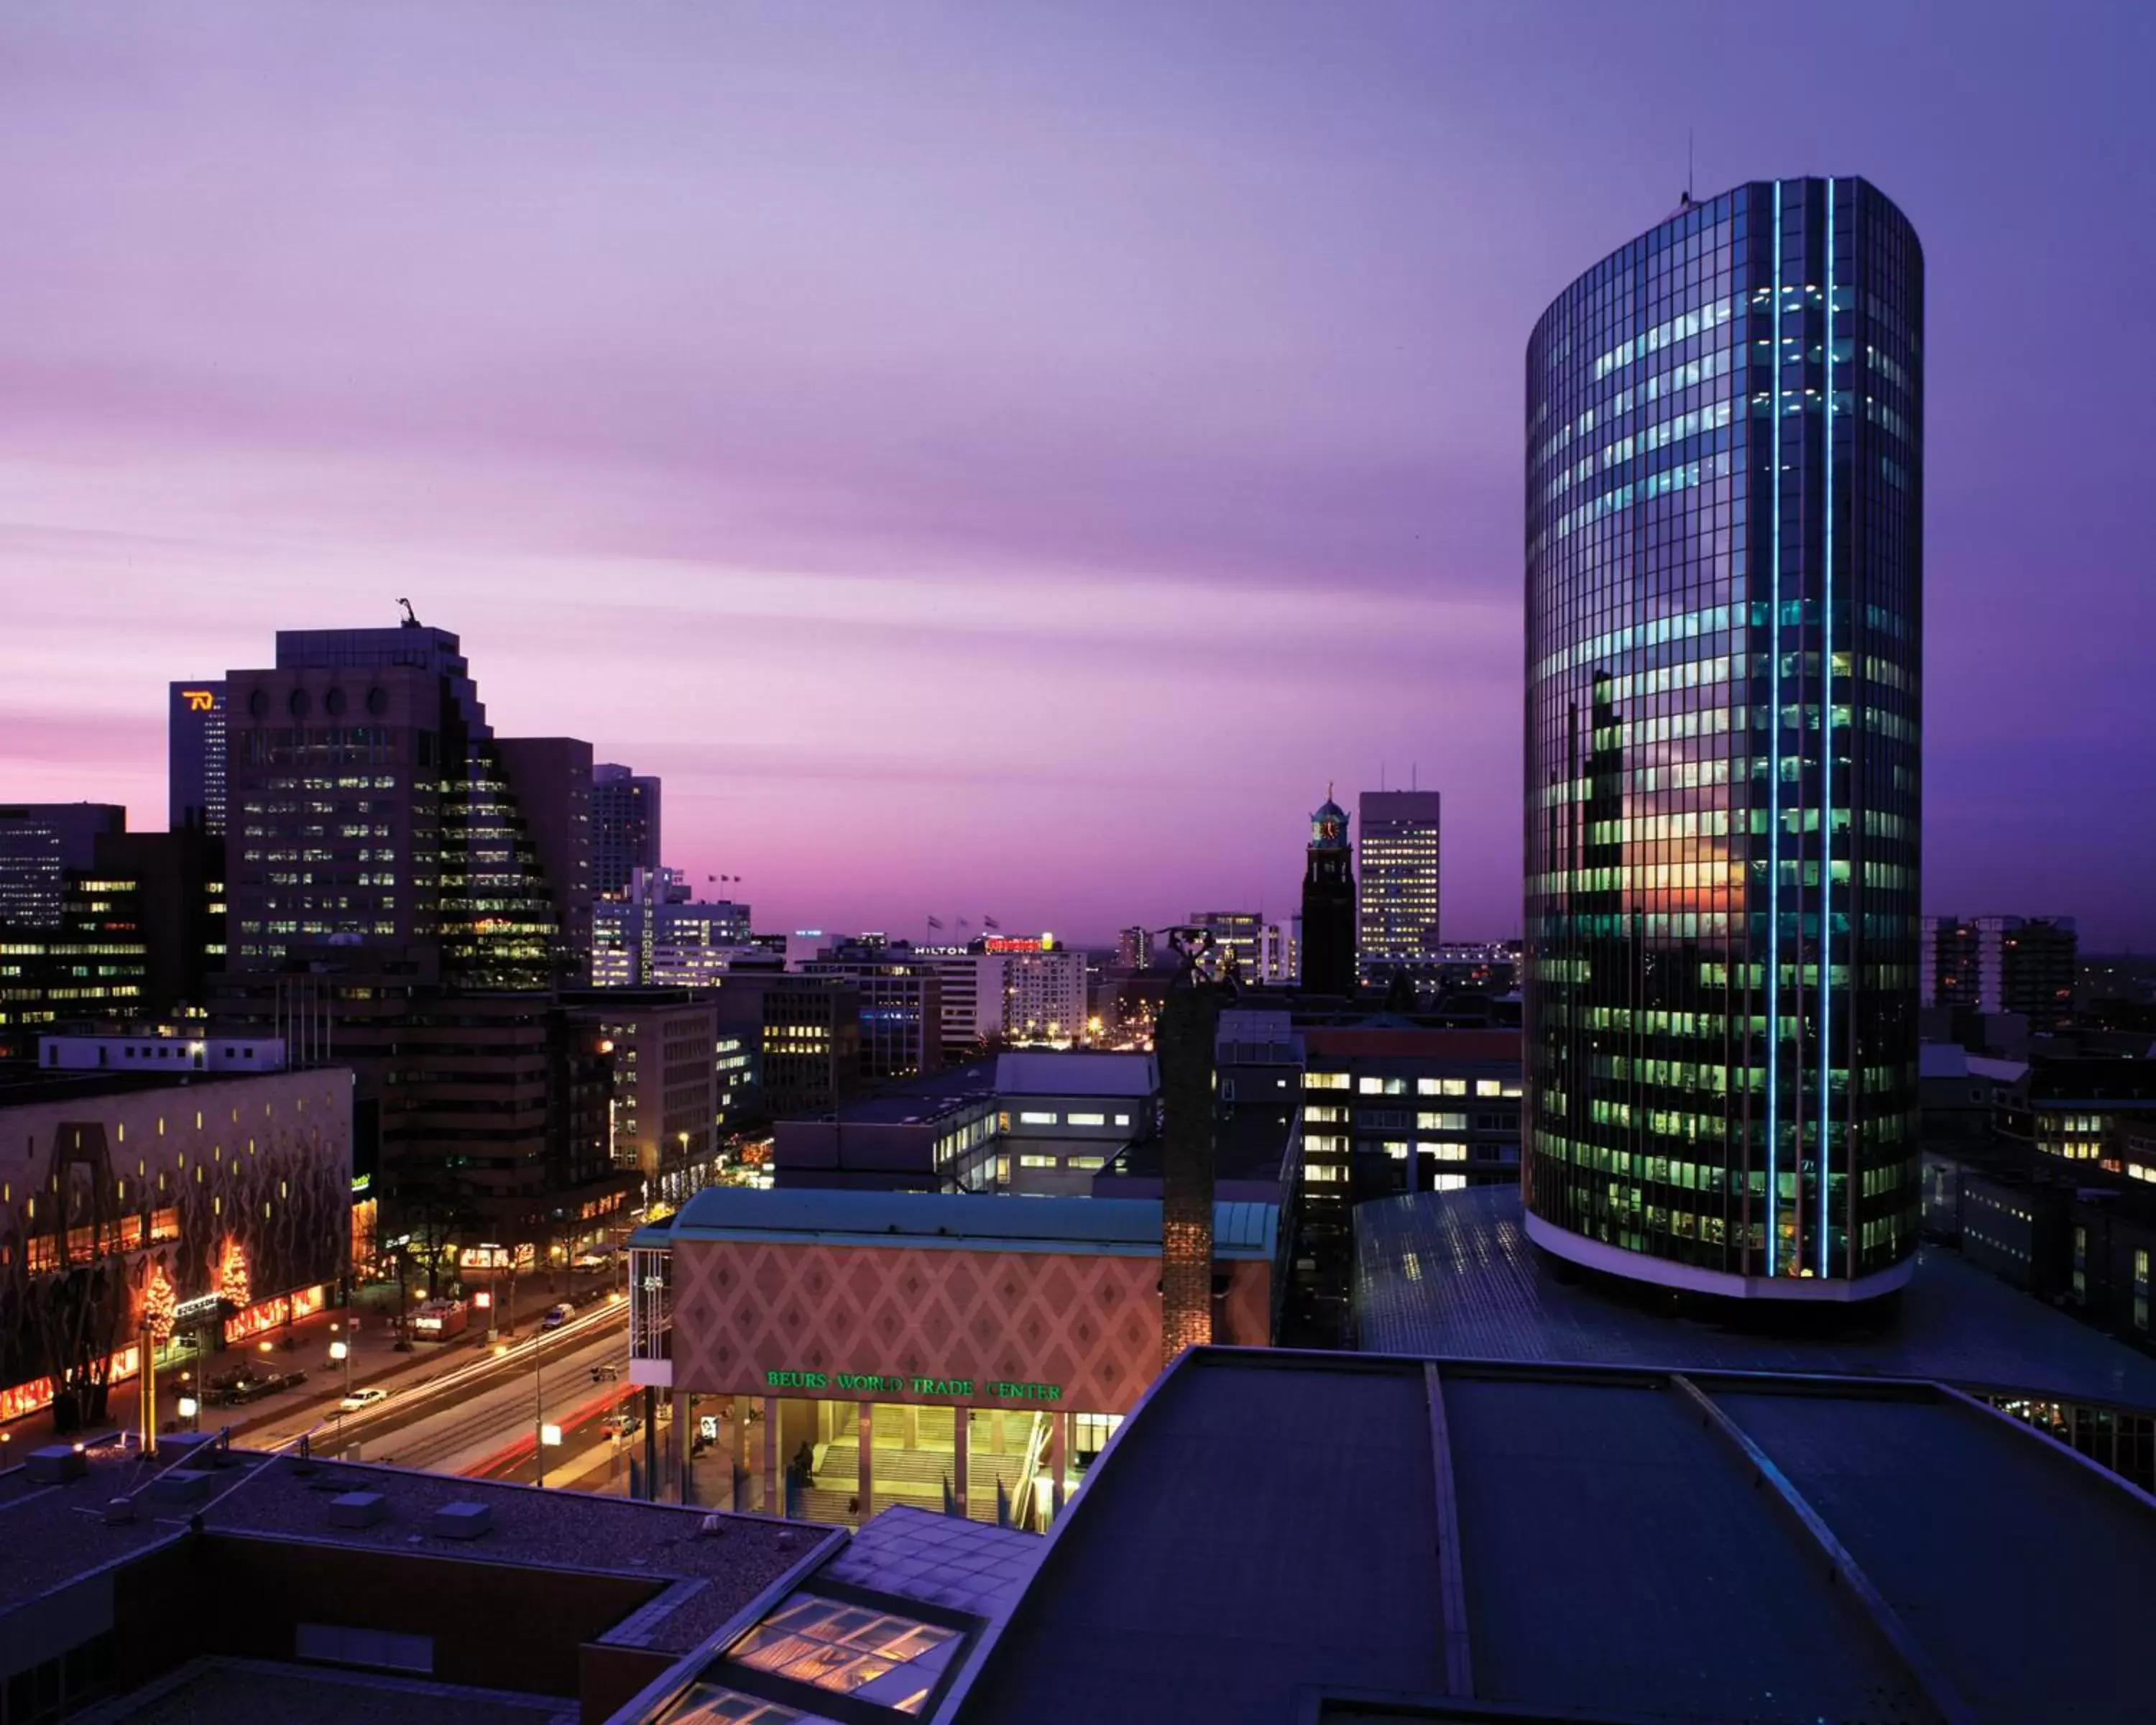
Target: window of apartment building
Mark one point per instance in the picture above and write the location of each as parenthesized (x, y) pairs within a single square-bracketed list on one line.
[(1441, 1087), (1325, 1080), (1036, 1117), (1039, 1161)]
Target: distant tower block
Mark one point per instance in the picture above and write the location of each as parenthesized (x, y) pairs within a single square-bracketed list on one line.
[(1182, 1043)]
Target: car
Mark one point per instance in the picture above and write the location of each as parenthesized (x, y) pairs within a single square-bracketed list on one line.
[(556, 1315), (360, 1400), (622, 1425), (592, 1260)]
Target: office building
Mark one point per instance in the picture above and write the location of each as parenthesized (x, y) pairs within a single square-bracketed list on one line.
[(92, 968), (372, 805), (195, 749), (1133, 948), (1397, 887), (1725, 519), (1328, 905), (177, 883), (1265, 953), (625, 833), (666, 1110), (2003, 964), (40, 844), (802, 1038), (901, 1004), (653, 935)]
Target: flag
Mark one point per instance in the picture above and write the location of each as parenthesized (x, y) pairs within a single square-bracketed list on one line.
[(990, 923), (934, 923)]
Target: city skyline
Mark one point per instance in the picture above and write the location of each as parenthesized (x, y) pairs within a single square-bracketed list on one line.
[(1003, 510)]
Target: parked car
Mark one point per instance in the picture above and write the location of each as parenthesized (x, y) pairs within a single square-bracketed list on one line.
[(622, 1425), (556, 1316), (360, 1400)]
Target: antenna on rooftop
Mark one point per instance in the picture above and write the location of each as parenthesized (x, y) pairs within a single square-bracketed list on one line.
[(1687, 191)]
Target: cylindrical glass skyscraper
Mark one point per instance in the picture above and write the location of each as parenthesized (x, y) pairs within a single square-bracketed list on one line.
[(1724, 554)]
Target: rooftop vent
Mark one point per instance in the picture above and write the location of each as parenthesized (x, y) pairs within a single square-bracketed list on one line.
[(180, 1484), (461, 1521), (713, 1524), (56, 1464), (357, 1509), (119, 1511)]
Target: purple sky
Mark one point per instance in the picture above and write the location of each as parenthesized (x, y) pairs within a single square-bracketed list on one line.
[(1008, 458)]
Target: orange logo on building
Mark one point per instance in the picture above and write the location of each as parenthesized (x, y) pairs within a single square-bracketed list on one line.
[(200, 701)]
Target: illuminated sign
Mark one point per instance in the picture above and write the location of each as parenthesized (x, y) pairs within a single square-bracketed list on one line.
[(362, 1183), (1023, 943), (200, 701), (884, 1383), (198, 1306)]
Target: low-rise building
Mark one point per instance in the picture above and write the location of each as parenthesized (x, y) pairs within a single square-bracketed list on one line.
[(223, 1201)]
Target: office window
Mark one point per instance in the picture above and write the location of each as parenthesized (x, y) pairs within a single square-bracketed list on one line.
[(1036, 1119), (1088, 1119)]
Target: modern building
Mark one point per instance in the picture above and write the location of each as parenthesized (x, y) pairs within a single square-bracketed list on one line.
[(1265, 953), (948, 1351), (93, 967), (1724, 559), (1328, 905), (1396, 909), (625, 830), (666, 1109), (1134, 947), (901, 1004), (372, 804), (1033, 989), (176, 887), (229, 1191), (651, 934), (802, 1036), (2003, 964), (41, 843), (195, 746)]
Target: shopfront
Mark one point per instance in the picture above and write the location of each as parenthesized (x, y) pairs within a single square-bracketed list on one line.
[(830, 1353)]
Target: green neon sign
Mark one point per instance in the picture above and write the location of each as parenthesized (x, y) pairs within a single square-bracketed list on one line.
[(1002, 1389)]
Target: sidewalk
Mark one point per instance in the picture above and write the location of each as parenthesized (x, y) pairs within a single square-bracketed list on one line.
[(375, 1360)]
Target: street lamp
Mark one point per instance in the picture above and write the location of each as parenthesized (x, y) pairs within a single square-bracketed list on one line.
[(342, 1350)]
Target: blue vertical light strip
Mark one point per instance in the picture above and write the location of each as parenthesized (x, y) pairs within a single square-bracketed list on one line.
[(1823, 1113), (1774, 738)]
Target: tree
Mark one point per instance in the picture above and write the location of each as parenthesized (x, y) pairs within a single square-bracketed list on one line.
[(160, 1307), (232, 1282)]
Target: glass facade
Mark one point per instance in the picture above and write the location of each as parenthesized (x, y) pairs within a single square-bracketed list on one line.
[(1724, 473)]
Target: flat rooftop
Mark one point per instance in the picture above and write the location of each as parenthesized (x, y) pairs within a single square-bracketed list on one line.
[(1076, 1072), (967, 1221), (918, 1100), (52, 1535), (1454, 1274), (25, 1084), (1279, 1535), (251, 1691)]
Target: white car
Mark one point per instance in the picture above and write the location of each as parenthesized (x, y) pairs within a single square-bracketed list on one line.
[(360, 1400), (556, 1315)]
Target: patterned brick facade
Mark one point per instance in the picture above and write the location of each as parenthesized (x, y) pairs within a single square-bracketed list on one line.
[(1089, 1325)]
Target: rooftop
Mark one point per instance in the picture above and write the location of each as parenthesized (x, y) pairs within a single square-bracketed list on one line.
[(1275, 1535), (25, 1084), (251, 1691), (1111, 1227), (52, 1535), (1397, 1041), (1454, 1274), (923, 1098), (1079, 1072)]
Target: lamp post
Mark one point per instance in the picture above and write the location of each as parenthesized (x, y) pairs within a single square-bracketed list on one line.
[(342, 1349), (549, 1436)]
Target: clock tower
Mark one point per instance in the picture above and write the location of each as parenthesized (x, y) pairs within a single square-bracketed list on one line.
[(1328, 905)]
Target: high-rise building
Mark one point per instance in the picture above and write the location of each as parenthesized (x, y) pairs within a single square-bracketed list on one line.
[(1396, 908), (372, 805), (1991, 964), (195, 746), (653, 935), (1328, 905), (901, 1004), (1133, 948), (624, 828), (41, 843), (1725, 486)]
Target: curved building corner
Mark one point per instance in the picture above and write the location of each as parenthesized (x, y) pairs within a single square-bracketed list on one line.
[(1724, 473)]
